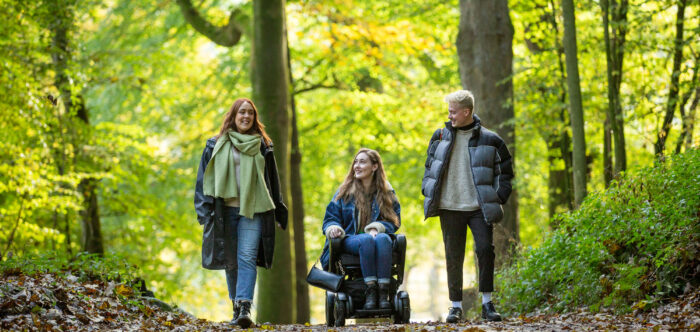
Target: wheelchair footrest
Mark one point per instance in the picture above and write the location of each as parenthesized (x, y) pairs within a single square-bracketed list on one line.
[(362, 313)]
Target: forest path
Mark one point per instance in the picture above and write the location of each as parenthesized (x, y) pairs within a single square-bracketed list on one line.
[(50, 302)]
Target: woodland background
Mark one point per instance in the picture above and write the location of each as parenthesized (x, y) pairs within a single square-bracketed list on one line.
[(106, 106)]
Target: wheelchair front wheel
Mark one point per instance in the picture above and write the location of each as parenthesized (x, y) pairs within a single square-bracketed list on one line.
[(339, 312), (330, 305)]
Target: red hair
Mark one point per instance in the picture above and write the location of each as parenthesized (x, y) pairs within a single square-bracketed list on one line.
[(230, 121)]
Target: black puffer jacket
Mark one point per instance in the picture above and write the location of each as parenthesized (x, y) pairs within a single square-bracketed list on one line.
[(491, 165), (218, 241)]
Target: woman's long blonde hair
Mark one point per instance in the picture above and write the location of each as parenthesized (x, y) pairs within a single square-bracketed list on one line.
[(352, 189)]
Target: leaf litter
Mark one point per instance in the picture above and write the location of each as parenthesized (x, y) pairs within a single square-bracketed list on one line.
[(51, 302)]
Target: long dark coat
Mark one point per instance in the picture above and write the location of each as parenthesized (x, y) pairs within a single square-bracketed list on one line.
[(219, 240)]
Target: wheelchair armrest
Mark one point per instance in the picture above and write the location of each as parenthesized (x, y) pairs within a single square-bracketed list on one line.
[(400, 247), (335, 249)]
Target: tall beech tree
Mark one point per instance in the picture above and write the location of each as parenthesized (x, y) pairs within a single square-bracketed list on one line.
[(575, 105), (686, 136), (303, 306), (485, 49), (543, 30), (615, 31), (672, 102), (76, 121), (270, 82), (561, 180)]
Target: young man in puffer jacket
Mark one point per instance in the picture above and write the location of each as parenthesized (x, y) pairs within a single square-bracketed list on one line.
[(467, 178)]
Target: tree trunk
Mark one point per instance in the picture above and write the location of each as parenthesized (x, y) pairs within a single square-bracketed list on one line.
[(614, 50), (271, 94), (575, 106), (297, 197), (484, 47), (607, 151), (660, 145), (301, 266), (91, 239), (559, 179), (691, 120), (686, 119)]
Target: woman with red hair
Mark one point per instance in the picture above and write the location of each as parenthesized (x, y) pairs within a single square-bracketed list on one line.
[(238, 199)]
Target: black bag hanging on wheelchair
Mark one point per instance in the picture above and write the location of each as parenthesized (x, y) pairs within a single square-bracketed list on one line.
[(324, 279)]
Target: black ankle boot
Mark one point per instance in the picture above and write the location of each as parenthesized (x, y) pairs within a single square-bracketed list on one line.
[(488, 312), (236, 312), (384, 302), (371, 296), (244, 320)]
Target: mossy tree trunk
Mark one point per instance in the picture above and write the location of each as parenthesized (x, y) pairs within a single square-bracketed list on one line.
[(270, 79), (575, 104)]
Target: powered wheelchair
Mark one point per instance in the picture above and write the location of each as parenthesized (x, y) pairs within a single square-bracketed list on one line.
[(349, 301)]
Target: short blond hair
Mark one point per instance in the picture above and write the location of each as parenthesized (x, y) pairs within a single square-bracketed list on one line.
[(463, 98)]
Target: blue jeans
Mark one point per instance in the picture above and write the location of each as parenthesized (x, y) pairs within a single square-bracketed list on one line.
[(241, 281), (375, 255)]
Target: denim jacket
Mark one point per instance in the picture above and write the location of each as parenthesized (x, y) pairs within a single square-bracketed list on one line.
[(342, 213)]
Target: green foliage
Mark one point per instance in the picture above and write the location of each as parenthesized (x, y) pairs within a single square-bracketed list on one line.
[(636, 241), (84, 266)]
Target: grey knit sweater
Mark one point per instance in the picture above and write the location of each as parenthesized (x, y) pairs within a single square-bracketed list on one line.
[(458, 191)]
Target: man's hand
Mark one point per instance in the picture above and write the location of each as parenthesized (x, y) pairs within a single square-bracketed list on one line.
[(373, 232)]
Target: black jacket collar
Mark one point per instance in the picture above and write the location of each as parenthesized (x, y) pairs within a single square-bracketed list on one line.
[(477, 126)]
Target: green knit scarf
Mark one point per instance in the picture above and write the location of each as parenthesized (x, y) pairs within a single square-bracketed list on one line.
[(220, 175)]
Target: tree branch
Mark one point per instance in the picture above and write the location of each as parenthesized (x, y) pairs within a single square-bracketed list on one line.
[(317, 86), (19, 221), (227, 35), (313, 86)]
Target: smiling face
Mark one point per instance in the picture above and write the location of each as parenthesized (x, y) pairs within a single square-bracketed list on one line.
[(459, 116), (245, 118), (363, 167)]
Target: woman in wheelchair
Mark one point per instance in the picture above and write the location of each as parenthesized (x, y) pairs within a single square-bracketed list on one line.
[(362, 212)]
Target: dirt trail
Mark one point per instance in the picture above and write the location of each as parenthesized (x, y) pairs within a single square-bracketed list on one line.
[(49, 302)]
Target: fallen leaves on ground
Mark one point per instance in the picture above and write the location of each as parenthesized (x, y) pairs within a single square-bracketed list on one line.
[(50, 302)]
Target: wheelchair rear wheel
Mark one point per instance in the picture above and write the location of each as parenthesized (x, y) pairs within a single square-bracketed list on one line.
[(402, 308)]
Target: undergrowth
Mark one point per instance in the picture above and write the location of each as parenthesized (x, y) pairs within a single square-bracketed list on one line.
[(84, 266), (628, 247)]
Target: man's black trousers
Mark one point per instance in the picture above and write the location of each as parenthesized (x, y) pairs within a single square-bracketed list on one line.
[(454, 235)]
